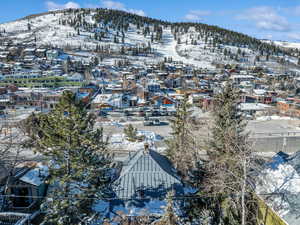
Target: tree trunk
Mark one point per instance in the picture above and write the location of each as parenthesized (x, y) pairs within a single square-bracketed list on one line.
[(243, 191)]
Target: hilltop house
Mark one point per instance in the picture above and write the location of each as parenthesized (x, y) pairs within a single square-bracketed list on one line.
[(153, 86), (107, 101), (242, 78), (163, 101), (41, 52), (28, 52), (52, 54), (4, 56)]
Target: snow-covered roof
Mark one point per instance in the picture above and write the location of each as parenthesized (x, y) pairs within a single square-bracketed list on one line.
[(4, 100), (29, 49), (281, 179), (102, 98), (259, 91), (36, 176), (41, 50), (114, 100), (119, 142), (253, 106), (76, 76), (242, 77)]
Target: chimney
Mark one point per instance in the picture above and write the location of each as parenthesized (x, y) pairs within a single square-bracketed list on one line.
[(146, 148)]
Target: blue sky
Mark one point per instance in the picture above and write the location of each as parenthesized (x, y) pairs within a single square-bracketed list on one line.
[(271, 19)]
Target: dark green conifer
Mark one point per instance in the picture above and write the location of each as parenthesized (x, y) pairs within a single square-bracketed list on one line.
[(179, 146), (79, 160)]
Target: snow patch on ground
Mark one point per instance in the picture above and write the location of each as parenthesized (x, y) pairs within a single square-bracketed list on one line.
[(120, 142), (265, 118), (280, 187)]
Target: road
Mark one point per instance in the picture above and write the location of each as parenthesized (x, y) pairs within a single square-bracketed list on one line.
[(267, 136)]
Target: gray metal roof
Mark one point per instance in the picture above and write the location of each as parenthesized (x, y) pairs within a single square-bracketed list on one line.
[(150, 173)]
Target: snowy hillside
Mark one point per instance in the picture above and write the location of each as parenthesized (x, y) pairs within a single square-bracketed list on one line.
[(119, 34), (285, 44)]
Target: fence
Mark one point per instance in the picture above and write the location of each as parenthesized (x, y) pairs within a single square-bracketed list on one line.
[(9, 218), (274, 142)]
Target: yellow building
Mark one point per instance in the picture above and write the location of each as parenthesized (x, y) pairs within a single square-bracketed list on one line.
[(267, 216)]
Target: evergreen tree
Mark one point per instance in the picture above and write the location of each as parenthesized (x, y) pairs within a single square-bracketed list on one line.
[(227, 131), (122, 50), (96, 61), (79, 160), (149, 46), (131, 133), (169, 217), (229, 156), (180, 146), (67, 65), (116, 40), (225, 52)]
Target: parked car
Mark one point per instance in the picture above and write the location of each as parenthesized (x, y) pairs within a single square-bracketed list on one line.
[(148, 113), (155, 113), (102, 113), (148, 123), (163, 112), (156, 122), (151, 122), (141, 113), (127, 113), (172, 113)]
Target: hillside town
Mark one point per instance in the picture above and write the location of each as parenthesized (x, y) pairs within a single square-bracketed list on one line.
[(137, 103)]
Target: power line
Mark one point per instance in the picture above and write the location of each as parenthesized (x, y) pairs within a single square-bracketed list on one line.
[(143, 198)]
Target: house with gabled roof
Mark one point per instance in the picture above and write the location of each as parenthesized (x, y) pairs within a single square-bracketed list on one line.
[(163, 100), (144, 181)]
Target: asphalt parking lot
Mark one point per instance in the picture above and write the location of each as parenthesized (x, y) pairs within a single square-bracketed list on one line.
[(266, 136)]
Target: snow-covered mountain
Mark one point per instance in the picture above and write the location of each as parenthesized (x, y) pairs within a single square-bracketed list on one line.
[(119, 34), (284, 44)]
